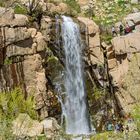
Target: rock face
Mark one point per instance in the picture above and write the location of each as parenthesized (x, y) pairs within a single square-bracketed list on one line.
[(60, 8), (92, 40), (22, 54), (24, 126), (124, 68)]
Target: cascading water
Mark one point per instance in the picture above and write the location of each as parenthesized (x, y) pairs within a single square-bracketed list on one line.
[(74, 106)]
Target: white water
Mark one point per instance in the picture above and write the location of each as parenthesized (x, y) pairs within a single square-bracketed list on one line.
[(74, 107)]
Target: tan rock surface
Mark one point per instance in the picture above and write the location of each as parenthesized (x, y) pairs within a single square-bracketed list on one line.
[(24, 126), (127, 44)]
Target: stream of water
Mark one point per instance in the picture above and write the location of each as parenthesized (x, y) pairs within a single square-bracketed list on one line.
[(74, 107)]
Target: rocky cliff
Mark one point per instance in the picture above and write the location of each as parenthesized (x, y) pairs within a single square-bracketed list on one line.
[(32, 59), (22, 58)]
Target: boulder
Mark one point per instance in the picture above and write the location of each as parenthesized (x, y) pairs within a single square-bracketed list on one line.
[(91, 26), (127, 44), (135, 17), (41, 43), (51, 127), (32, 32), (112, 63), (60, 8), (63, 8), (24, 126), (13, 35)]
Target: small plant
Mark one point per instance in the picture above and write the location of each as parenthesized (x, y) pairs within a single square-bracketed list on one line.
[(20, 9), (7, 61), (12, 103)]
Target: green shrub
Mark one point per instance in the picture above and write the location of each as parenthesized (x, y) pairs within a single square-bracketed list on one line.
[(20, 10), (12, 103), (74, 6), (7, 61)]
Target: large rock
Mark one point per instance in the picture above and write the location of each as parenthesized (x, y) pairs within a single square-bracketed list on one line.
[(135, 17), (127, 44), (24, 126), (51, 127), (60, 8), (8, 18), (13, 35)]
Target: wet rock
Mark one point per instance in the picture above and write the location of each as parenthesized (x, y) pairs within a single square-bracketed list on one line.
[(90, 24), (24, 126)]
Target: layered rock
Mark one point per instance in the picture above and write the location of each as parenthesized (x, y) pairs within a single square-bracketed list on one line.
[(22, 57), (124, 69), (93, 40)]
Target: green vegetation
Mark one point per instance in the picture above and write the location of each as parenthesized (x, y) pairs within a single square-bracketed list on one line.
[(74, 6), (20, 9), (11, 104), (115, 136), (136, 114)]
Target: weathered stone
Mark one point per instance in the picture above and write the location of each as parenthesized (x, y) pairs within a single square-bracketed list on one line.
[(127, 44), (50, 127), (137, 28), (91, 26), (24, 126), (32, 32), (96, 55), (112, 63), (61, 8)]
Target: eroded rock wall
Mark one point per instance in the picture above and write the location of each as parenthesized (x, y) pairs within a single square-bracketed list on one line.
[(125, 69), (21, 58)]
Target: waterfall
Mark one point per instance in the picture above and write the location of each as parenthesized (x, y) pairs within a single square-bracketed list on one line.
[(74, 106)]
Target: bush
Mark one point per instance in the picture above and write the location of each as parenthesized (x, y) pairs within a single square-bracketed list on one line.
[(20, 9), (12, 103), (74, 6)]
